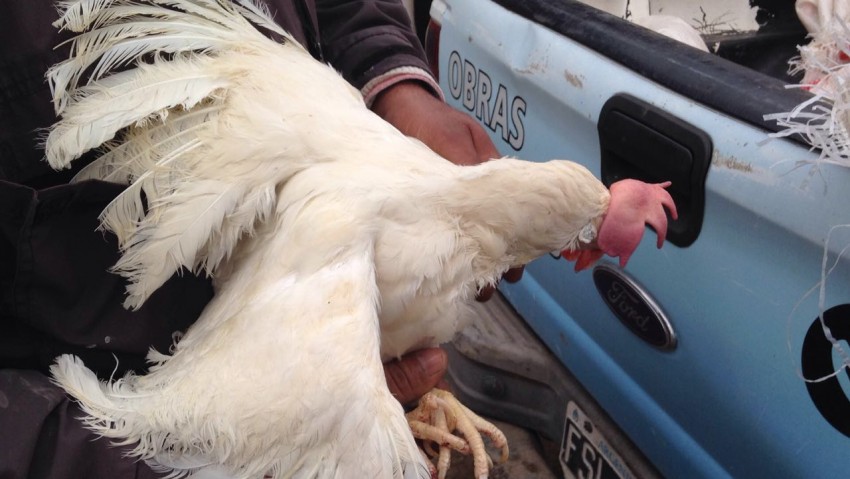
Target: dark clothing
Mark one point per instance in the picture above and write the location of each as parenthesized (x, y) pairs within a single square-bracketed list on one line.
[(362, 39), (42, 437), (56, 295)]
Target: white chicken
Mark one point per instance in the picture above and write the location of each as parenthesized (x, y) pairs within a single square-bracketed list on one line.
[(335, 241)]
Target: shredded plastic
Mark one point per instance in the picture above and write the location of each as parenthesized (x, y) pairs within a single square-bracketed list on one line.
[(828, 266), (824, 123)]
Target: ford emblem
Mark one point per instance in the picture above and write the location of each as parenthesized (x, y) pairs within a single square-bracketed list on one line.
[(633, 306)]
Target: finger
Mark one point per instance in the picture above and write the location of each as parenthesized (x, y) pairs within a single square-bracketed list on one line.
[(514, 274), (482, 143), (415, 374), (460, 153), (485, 293)]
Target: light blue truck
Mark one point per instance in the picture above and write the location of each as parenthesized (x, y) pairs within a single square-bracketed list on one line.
[(690, 363)]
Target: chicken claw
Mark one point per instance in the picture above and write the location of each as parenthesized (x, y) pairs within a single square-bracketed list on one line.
[(433, 421)]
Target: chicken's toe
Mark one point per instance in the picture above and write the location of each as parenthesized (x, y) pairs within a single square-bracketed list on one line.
[(434, 421)]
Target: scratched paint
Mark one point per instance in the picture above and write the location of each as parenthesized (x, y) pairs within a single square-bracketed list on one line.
[(731, 163), (574, 79)]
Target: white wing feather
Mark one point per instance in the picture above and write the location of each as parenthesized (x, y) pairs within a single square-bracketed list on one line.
[(118, 38), (75, 15), (155, 121), (147, 149), (259, 15), (154, 253), (128, 98)]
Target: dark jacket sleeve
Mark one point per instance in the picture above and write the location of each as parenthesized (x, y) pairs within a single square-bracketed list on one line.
[(370, 42), (364, 39), (27, 42)]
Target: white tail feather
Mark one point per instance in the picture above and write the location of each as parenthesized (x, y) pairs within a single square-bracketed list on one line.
[(201, 406), (113, 411), (96, 399)]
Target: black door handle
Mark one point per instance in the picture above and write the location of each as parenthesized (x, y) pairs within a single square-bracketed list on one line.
[(644, 142)]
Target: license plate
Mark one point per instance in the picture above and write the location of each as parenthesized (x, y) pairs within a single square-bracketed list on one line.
[(585, 454)]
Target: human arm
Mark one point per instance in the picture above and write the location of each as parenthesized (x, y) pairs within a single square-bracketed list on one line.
[(416, 112), (371, 41), (374, 47)]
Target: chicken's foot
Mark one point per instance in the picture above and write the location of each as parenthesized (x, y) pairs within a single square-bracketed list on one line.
[(434, 421)]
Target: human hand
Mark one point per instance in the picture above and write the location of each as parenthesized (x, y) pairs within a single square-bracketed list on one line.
[(415, 373), (416, 112), (511, 276), (455, 136)]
